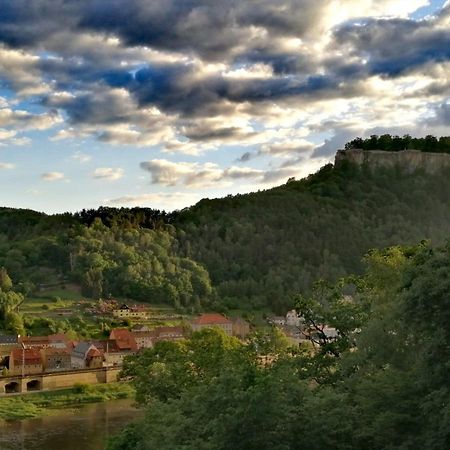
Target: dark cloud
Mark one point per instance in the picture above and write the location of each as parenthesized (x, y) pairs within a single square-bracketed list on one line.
[(211, 29), (441, 115), (337, 141), (394, 46)]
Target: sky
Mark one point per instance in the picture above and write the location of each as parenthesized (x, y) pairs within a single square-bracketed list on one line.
[(160, 103)]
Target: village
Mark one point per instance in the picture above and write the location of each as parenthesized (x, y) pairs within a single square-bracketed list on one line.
[(22, 357)]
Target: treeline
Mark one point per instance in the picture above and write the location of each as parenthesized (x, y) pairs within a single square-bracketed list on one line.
[(382, 384), (391, 143), (125, 217)]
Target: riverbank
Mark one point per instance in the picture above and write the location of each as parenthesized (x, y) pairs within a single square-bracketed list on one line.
[(45, 403)]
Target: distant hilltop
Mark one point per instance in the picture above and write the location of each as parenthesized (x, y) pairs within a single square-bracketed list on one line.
[(409, 160)]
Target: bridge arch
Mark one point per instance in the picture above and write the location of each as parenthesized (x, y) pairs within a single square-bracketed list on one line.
[(12, 387), (33, 385)]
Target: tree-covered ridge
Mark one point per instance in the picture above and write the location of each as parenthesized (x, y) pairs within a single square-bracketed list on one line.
[(386, 388), (262, 247), (246, 251), (391, 143)]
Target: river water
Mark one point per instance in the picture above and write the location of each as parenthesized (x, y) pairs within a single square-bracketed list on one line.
[(85, 428)]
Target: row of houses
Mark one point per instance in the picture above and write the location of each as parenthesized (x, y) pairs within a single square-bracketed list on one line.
[(53, 353)]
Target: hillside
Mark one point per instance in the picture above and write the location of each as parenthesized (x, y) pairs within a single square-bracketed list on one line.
[(248, 251), (260, 248)]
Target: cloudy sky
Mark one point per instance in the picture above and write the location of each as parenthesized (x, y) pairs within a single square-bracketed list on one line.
[(162, 102)]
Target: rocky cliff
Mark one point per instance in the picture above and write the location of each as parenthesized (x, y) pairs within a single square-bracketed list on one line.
[(408, 160)]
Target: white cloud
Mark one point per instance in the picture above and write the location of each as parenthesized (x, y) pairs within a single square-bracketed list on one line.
[(52, 176), (6, 166), (196, 175), (81, 157), (160, 200), (108, 173)]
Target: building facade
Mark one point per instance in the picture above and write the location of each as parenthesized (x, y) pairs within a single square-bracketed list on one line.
[(213, 320)]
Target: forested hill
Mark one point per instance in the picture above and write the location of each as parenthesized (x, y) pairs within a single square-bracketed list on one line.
[(259, 248), (246, 251)]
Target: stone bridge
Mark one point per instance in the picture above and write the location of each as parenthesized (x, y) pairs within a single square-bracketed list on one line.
[(56, 380)]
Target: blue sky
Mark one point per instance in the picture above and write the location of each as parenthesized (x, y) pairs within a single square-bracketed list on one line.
[(162, 103)]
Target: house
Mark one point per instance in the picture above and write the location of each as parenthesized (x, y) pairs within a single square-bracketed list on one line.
[(169, 333), (94, 358), (144, 339), (133, 312), (25, 361), (112, 354), (7, 343), (86, 355), (53, 340), (241, 328), (55, 359), (213, 320), (124, 338), (293, 319)]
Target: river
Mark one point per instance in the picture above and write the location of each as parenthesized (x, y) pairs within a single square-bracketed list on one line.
[(85, 428)]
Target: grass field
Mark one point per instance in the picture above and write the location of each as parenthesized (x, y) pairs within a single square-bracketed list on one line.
[(47, 403)]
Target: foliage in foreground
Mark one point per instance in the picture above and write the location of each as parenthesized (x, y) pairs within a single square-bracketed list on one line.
[(386, 388)]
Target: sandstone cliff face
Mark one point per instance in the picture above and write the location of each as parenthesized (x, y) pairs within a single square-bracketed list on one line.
[(408, 160)]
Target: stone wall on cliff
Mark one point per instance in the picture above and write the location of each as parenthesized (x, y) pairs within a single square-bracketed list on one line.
[(408, 160)]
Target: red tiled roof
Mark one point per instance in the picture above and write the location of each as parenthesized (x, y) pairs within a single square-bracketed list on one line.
[(30, 355), (55, 351), (211, 319), (60, 337), (124, 339), (169, 331), (34, 340), (93, 352)]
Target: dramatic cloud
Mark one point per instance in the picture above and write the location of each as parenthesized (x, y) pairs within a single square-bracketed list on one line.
[(276, 86), (193, 174)]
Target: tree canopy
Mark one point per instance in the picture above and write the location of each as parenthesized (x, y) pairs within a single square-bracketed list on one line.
[(389, 388)]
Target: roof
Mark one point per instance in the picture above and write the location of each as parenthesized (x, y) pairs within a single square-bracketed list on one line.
[(94, 353), (49, 351), (82, 348), (34, 340), (29, 355), (124, 339), (168, 331), (107, 345), (7, 339), (211, 319), (60, 337)]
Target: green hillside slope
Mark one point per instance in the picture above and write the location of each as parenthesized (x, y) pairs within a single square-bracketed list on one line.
[(245, 251)]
